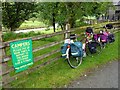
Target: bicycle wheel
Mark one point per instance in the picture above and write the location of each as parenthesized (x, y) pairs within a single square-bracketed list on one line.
[(93, 47), (104, 44), (73, 61), (98, 47)]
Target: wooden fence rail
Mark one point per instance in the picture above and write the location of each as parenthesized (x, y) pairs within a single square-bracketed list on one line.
[(7, 44), (47, 46), (35, 60), (30, 70), (7, 58)]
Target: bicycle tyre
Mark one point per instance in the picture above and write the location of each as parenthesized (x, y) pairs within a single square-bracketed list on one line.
[(98, 48), (74, 62)]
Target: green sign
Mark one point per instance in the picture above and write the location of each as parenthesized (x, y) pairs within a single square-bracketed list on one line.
[(21, 54)]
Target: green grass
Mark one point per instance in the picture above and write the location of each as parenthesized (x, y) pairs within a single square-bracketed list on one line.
[(38, 62), (31, 24), (41, 42), (46, 50), (41, 52), (49, 31), (45, 41), (61, 62), (58, 73), (12, 36)]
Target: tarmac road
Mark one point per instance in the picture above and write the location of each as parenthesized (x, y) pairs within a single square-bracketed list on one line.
[(103, 77)]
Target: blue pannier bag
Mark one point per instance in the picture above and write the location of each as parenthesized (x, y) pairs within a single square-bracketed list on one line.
[(63, 49), (76, 49)]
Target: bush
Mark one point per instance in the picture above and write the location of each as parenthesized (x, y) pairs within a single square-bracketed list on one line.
[(31, 33), (80, 23), (9, 36)]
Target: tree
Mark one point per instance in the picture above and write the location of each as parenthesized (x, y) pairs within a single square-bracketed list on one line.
[(68, 12), (0, 16), (15, 13), (58, 12), (101, 8), (48, 12)]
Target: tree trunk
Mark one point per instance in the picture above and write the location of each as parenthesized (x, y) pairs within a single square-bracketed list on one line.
[(53, 22), (72, 22), (61, 27), (11, 29), (64, 29)]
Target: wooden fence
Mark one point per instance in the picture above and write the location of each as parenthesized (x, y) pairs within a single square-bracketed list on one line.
[(6, 79)]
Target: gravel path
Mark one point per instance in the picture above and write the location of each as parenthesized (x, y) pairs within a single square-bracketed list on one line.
[(35, 29), (103, 77), (29, 30)]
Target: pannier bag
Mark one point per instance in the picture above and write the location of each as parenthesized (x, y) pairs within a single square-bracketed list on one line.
[(89, 30), (103, 38), (72, 36), (76, 49), (111, 38), (95, 37), (109, 26), (92, 47), (64, 49)]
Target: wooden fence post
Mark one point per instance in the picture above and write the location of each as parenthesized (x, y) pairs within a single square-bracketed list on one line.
[(3, 64), (67, 28)]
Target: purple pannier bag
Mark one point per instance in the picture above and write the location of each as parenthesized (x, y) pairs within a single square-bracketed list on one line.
[(95, 37), (103, 38), (105, 33)]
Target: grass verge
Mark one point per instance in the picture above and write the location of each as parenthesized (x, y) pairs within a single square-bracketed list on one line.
[(58, 73)]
